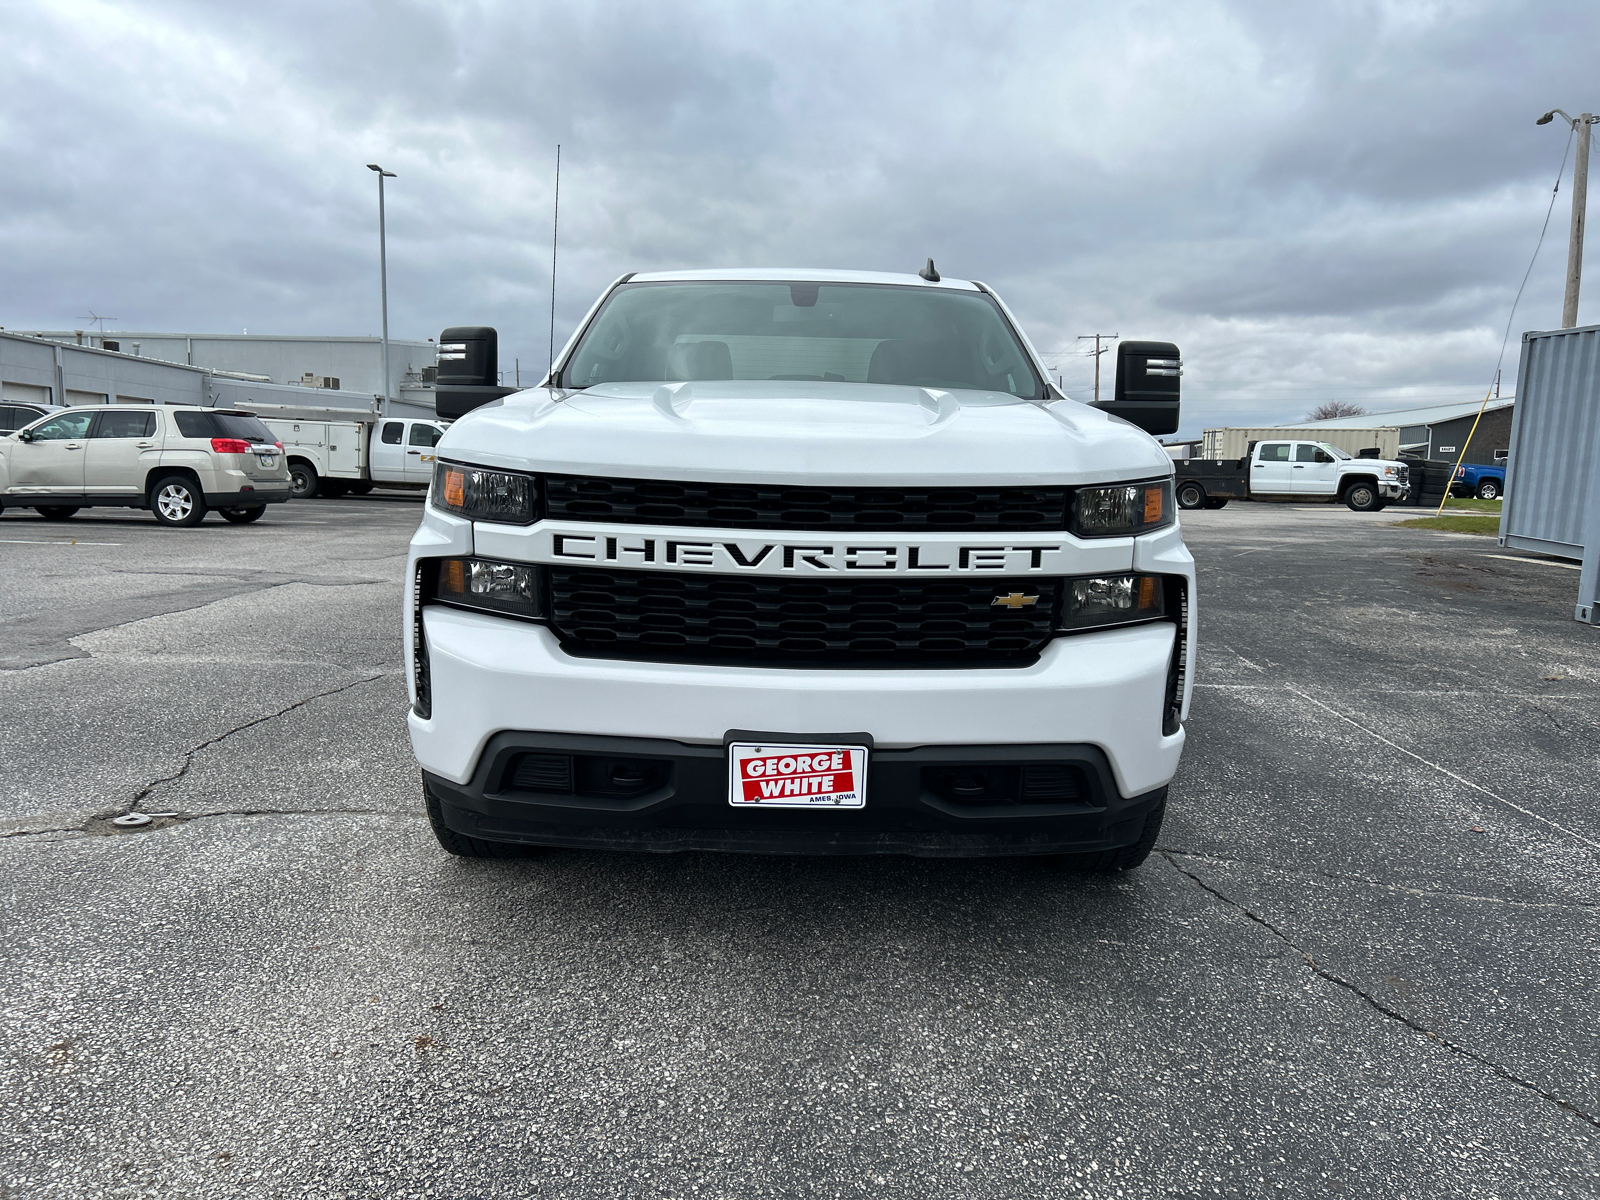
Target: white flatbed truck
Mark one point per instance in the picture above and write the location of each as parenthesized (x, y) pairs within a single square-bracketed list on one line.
[(332, 452)]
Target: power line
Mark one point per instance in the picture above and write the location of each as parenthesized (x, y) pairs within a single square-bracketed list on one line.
[(1512, 315)]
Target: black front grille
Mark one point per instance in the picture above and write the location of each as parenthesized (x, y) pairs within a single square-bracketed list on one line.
[(776, 506), (711, 618)]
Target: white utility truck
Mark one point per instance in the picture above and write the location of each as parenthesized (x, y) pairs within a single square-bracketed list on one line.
[(1285, 469), (334, 451), (800, 562)]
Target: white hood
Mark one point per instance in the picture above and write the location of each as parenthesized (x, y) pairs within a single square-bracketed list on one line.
[(802, 432)]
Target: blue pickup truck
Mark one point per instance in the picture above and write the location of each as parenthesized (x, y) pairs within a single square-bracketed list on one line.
[(1486, 483)]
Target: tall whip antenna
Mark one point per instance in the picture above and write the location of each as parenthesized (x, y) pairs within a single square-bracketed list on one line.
[(555, 233)]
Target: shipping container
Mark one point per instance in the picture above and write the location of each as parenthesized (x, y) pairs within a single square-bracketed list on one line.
[(1235, 443), (1550, 505)]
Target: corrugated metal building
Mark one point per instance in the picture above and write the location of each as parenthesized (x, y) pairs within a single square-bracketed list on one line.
[(1553, 480), (1440, 431), (43, 370)]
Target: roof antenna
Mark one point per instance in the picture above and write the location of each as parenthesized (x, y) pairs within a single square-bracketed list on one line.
[(930, 272), (555, 231)]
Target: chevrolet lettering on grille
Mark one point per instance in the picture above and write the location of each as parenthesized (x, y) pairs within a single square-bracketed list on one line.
[(952, 554)]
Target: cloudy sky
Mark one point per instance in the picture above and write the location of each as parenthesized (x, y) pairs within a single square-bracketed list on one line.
[(1316, 201)]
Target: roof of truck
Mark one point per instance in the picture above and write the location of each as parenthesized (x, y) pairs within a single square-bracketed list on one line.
[(801, 274)]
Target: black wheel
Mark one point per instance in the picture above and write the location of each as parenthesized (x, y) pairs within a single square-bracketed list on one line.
[(178, 501), (55, 512), (1489, 489), (302, 481), (358, 489), (463, 846), (242, 516), (1362, 496), (1123, 858), (1212, 502), (1191, 495)]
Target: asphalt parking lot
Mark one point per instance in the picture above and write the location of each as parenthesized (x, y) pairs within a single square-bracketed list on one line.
[(1362, 964)]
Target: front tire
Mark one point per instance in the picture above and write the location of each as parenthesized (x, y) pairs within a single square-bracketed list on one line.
[(177, 500), (1363, 497), (1124, 858), (1191, 495), (242, 516), (1488, 490), (463, 846), (55, 512)]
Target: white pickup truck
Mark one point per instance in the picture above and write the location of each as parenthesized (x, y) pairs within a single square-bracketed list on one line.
[(333, 456), (1280, 470), (800, 562)]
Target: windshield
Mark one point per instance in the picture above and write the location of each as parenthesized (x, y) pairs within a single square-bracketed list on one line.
[(1333, 450), (828, 332)]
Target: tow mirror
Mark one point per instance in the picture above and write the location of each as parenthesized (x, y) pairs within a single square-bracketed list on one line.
[(1147, 386), (469, 370)]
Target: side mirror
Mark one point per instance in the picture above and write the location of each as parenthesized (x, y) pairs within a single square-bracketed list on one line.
[(1324, 457), (24, 436), (1147, 386), (469, 370)]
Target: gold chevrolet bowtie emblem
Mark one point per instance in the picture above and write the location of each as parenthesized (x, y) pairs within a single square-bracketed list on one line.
[(1013, 601)]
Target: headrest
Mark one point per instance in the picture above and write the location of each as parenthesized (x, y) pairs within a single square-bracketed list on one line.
[(699, 360), (903, 361)]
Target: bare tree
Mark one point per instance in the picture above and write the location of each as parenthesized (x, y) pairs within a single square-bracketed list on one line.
[(1330, 409)]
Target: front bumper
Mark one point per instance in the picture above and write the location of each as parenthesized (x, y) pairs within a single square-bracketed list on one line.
[(682, 804), (1391, 490), (489, 674)]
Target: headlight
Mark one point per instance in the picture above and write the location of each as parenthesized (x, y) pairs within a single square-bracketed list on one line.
[(1122, 510), (1391, 470), (487, 584), (1099, 600), (484, 495)]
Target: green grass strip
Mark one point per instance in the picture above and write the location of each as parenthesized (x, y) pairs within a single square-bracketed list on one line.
[(1487, 526)]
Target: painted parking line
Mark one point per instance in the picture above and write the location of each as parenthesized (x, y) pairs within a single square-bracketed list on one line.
[(43, 542), (1543, 562)]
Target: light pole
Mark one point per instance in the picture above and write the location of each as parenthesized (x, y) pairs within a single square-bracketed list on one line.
[(1580, 202), (383, 272)]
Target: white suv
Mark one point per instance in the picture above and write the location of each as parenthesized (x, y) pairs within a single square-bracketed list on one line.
[(178, 462)]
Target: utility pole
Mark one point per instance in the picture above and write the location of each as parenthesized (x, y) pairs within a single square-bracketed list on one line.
[(1580, 202), (383, 272), (1110, 337)]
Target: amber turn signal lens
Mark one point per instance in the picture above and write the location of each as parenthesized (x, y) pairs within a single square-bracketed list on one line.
[(455, 484), (1153, 504), (453, 578)]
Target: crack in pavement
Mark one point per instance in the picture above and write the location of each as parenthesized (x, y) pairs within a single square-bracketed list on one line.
[(1416, 1027), (188, 758), (1348, 877), (29, 651), (98, 825)]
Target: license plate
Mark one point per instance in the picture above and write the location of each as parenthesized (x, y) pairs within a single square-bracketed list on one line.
[(789, 776), (267, 460)]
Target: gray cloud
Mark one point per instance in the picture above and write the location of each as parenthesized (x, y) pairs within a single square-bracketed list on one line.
[(1312, 200)]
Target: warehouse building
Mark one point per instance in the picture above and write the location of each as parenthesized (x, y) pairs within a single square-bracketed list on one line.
[(51, 367), (1440, 431)]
